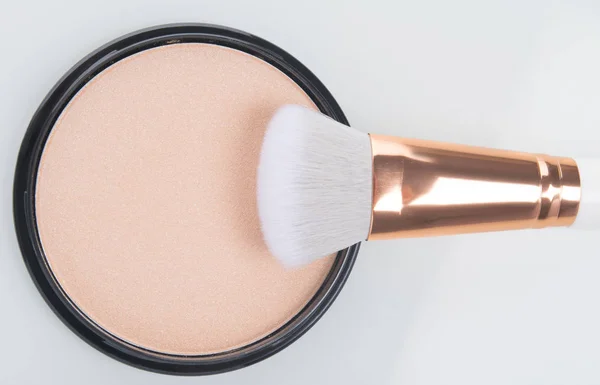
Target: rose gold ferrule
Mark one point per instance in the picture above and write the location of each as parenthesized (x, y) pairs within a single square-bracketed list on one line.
[(424, 188)]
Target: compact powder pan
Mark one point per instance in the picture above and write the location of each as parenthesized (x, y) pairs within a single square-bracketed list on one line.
[(134, 201)]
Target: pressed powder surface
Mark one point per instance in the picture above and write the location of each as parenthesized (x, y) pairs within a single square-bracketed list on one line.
[(145, 201)]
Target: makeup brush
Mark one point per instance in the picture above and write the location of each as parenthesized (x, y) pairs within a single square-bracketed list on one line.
[(323, 186)]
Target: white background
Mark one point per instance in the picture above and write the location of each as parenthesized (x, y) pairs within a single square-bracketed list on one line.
[(510, 308)]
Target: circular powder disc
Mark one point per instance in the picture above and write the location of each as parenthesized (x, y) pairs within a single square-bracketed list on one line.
[(145, 201)]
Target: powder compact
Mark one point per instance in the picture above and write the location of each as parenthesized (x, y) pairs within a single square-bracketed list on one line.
[(134, 201)]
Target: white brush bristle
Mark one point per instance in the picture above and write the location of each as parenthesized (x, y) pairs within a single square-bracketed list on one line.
[(314, 185)]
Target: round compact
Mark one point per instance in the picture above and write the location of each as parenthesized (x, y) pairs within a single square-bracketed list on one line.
[(134, 201)]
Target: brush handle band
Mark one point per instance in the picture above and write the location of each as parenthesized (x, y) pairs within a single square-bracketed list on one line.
[(424, 188), (589, 207)]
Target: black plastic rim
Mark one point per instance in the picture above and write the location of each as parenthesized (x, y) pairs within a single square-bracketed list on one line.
[(24, 208)]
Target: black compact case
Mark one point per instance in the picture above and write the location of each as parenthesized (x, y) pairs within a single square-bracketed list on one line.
[(25, 187)]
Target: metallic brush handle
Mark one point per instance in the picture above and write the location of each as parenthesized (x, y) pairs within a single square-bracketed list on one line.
[(425, 188)]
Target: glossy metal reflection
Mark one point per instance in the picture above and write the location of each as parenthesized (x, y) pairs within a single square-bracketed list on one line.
[(424, 188)]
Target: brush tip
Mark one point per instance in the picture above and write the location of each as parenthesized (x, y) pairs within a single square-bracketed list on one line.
[(314, 185)]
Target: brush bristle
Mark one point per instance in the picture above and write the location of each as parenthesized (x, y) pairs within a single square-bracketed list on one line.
[(314, 186)]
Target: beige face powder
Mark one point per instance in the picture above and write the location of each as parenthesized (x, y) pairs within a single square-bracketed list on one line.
[(145, 201)]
